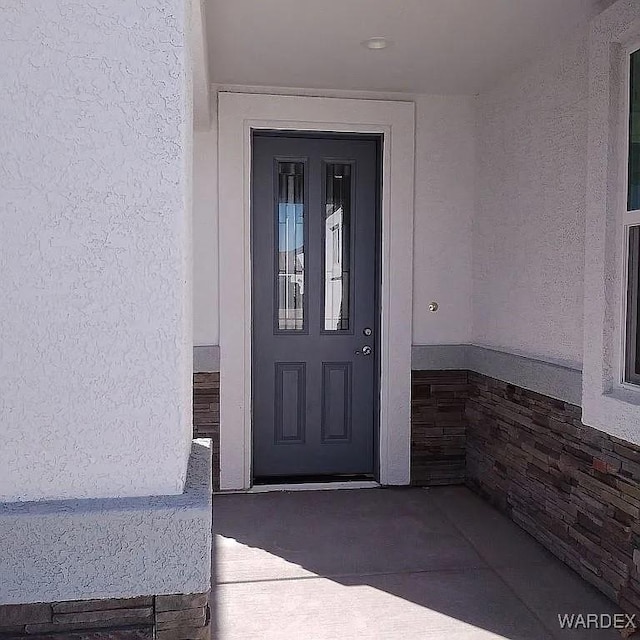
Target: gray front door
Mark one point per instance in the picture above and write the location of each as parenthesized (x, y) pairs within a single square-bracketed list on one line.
[(314, 304)]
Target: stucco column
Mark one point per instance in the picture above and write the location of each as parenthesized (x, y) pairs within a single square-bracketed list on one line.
[(95, 298)]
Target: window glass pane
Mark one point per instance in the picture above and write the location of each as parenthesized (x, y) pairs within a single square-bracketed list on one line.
[(290, 249), (633, 201), (337, 259), (632, 373)]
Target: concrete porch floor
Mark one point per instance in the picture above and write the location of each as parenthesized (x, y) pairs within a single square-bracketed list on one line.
[(387, 563)]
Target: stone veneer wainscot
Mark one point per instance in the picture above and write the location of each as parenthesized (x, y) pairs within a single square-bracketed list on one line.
[(574, 488), (206, 416), (166, 617), (438, 437)]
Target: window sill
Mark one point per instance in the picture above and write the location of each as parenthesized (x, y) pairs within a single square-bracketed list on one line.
[(627, 393)]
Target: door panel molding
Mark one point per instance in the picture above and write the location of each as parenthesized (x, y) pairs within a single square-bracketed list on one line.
[(328, 401), (238, 115), (284, 372)]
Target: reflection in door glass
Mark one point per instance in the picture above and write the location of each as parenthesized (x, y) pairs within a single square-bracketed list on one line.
[(290, 249), (337, 259)]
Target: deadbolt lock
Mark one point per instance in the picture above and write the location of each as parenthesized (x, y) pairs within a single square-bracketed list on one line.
[(367, 331)]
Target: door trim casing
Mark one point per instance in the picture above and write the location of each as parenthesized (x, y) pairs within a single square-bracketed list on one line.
[(238, 115)]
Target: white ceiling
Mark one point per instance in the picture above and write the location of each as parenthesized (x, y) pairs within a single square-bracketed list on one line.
[(438, 46)]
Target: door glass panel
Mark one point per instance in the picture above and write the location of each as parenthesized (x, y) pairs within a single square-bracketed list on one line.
[(633, 202), (337, 244), (290, 248)]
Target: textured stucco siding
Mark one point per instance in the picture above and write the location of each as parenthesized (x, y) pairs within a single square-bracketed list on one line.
[(444, 205), (109, 548), (95, 324), (528, 232), (206, 325)]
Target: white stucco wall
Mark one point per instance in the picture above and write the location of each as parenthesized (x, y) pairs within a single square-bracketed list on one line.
[(443, 212), (61, 550), (205, 237), (444, 204), (528, 233), (199, 46), (95, 326)]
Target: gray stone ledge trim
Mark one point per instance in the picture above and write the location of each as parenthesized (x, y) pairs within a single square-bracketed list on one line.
[(548, 378), (437, 357), (562, 381), (54, 551), (206, 359)]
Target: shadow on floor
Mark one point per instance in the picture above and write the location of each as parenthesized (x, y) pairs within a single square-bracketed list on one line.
[(387, 563)]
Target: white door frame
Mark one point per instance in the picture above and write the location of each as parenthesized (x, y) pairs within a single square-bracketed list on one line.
[(238, 115)]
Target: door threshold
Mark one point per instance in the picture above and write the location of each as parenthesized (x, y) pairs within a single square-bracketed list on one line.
[(308, 486)]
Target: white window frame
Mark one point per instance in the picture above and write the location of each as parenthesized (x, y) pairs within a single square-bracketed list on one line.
[(629, 218), (608, 403), (238, 115)]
